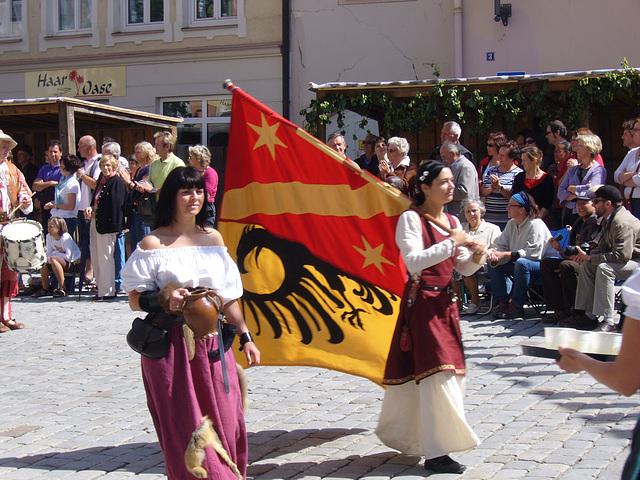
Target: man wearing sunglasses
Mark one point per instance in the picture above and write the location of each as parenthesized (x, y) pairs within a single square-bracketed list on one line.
[(615, 257)]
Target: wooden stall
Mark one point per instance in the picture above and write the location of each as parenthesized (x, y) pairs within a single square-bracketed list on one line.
[(35, 122)]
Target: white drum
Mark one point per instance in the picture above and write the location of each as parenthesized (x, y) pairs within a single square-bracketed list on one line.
[(24, 249)]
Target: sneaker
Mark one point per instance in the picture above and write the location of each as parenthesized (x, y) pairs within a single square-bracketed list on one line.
[(472, 309), (443, 464), (502, 304), (511, 311), (606, 327), (554, 318)]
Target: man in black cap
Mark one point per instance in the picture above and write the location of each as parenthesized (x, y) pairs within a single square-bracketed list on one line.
[(560, 274), (616, 257), (28, 169)]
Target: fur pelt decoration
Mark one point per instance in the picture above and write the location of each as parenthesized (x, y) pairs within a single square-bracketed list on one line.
[(165, 295), (205, 436)]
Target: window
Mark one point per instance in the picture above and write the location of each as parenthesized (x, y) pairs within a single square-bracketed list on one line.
[(213, 12), (210, 18), (206, 122), (143, 12), (74, 15), (212, 9), (10, 18)]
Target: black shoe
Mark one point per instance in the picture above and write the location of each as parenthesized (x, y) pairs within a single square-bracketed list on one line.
[(586, 323), (443, 465)]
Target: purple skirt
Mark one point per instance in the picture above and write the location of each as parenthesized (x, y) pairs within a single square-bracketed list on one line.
[(180, 393)]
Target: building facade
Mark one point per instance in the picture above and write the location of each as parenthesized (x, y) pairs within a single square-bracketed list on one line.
[(167, 57)]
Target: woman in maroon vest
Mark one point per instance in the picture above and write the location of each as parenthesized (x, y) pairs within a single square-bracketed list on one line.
[(422, 412)]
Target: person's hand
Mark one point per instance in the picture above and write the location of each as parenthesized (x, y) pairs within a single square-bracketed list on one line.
[(576, 258), (87, 213), (80, 173), (571, 189), (124, 175), (570, 360), (26, 201), (176, 299), (460, 237), (48, 206), (496, 255), (583, 255), (572, 162), (252, 354), (144, 187)]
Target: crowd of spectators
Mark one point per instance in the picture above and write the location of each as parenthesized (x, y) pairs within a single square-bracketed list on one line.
[(89, 203), (525, 196)]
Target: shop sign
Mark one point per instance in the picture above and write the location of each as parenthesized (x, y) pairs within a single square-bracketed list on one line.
[(77, 82)]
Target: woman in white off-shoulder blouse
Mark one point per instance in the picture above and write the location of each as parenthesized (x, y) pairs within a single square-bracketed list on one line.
[(182, 390)]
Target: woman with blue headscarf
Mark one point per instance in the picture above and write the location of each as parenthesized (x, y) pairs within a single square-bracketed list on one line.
[(517, 254)]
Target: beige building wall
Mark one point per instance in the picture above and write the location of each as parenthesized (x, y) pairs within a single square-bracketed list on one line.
[(392, 40), (162, 60)]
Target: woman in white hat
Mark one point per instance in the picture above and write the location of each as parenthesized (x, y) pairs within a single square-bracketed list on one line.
[(14, 192)]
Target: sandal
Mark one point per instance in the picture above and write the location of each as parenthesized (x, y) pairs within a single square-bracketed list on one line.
[(59, 292), (472, 309), (12, 324), (40, 293)]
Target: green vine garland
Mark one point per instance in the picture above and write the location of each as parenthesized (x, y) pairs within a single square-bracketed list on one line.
[(462, 103)]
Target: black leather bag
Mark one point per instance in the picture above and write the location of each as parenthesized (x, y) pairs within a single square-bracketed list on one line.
[(147, 205), (147, 338)]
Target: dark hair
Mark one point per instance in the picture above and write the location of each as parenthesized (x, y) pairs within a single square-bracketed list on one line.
[(55, 143), (27, 148), (498, 138), (71, 163), (179, 178), (557, 126), (427, 173), (514, 150)]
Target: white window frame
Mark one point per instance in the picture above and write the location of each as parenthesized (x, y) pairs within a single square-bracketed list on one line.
[(8, 4), (118, 30), (20, 41), (77, 8), (204, 120), (188, 25), (51, 37), (146, 22)]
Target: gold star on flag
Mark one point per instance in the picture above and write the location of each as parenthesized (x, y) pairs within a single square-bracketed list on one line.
[(267, 136), (372, 256)]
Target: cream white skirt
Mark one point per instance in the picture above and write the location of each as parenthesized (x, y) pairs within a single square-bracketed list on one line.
[(426, 419)]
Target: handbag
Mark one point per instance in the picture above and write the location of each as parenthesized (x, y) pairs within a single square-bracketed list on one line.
[(147, 205), (148, 338)]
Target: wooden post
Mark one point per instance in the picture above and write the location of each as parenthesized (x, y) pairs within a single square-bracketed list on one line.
[(67, 126)]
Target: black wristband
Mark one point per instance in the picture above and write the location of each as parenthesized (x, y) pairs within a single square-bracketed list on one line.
[(148, 302), (245, 338), (515, 256)]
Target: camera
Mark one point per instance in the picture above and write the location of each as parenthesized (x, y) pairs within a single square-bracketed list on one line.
[(572, 250)]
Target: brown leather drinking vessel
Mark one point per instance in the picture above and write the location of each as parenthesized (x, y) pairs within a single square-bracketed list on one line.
[(200, 311)]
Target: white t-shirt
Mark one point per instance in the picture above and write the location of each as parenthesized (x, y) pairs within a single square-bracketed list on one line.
[(65, 247), (66, 186), (92, 169)]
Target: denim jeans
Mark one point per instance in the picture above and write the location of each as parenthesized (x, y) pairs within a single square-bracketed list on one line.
[(140, 227), (524, 272), (118, 258)]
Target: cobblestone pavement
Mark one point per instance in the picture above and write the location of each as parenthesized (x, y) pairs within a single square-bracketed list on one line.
[(74, 408)]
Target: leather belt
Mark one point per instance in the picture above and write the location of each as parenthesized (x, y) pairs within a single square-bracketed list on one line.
[(448, 289)]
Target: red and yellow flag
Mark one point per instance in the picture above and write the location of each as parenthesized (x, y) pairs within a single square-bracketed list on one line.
[(313, 236)]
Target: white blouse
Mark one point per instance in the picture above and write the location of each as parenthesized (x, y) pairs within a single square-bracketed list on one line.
[(198, 266), (417, 257)]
